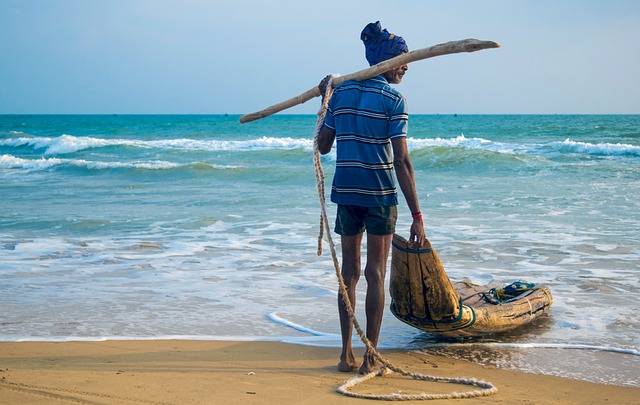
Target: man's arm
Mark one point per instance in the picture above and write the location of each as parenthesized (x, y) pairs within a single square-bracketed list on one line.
[(406, 180), (326, 135), (325, 139)]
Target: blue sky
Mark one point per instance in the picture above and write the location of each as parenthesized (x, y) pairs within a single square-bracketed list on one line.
[(239, 56)]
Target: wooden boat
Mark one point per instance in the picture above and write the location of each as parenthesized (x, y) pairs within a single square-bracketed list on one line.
[(423, 296)]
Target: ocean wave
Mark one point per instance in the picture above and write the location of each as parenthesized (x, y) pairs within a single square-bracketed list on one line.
[(63, 144), (467, 152), (66, 144), (258, 144), (599, 149), (461, 148), (457, 142), (533, 149), (12, 162)]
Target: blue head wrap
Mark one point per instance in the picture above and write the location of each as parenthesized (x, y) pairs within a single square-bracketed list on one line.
[(380, 45)]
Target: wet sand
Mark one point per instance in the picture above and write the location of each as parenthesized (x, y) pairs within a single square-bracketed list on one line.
[(236, 372)]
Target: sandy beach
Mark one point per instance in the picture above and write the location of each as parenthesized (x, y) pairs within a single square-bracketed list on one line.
[(237, 372)]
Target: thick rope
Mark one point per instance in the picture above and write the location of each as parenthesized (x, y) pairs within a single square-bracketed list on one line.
[(486, 388)]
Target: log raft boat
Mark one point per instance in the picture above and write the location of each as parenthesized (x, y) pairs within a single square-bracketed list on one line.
[(423, 296)]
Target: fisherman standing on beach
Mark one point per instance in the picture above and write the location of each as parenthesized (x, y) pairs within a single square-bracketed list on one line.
[(368, 120)]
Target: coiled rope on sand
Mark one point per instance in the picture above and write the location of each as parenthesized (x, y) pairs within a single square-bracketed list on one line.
[(485, 388)]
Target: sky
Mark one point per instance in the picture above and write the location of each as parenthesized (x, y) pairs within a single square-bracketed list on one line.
[(240, 56)]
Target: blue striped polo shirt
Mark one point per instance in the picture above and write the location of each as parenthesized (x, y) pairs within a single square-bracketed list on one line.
[(366, 116)]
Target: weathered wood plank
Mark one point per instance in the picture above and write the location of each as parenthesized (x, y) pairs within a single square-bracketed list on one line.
[(399, 283)]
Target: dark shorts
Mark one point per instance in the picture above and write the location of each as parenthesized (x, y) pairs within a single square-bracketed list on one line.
[(352, 220)]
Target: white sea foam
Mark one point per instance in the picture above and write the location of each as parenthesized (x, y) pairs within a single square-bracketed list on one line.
[(457, 142), (66, 144), (606, 149), (634, 351), (274, 317), (12, 162), (62, 144), (567, 146), (599, 364)]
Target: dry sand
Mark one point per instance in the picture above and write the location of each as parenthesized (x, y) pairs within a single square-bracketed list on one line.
[(223, 372)]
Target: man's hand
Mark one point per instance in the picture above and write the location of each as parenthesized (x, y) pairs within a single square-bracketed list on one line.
[(322, 86), (418, 235)]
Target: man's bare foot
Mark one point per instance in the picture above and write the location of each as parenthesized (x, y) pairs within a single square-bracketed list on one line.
[(370, 364), (348, 363), (347, 367)]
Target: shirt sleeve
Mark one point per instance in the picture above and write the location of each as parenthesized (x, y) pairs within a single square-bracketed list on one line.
[(328, 118), (399, 119)]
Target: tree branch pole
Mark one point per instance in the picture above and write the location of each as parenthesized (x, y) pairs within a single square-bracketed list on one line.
[(447, 48)]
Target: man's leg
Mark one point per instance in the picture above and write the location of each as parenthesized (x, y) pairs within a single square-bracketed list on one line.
[(377, 254), (350, 274)]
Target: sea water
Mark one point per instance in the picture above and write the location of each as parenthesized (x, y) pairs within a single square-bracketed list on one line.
[(199, 227)]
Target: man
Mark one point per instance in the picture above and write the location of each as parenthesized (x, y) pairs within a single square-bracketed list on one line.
[(368, 120)]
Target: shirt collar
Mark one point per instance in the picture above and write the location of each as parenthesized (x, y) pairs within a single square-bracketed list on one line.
[(380, 78)]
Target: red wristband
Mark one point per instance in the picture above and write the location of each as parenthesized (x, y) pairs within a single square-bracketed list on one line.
[(416, 215)]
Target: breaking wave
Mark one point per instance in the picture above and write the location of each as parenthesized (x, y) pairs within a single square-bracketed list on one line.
[(66, 144)]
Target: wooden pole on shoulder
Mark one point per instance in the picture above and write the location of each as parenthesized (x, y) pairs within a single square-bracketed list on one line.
[(447, 48)]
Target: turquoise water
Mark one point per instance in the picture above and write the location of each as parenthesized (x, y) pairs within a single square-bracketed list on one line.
[(161, 226)]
